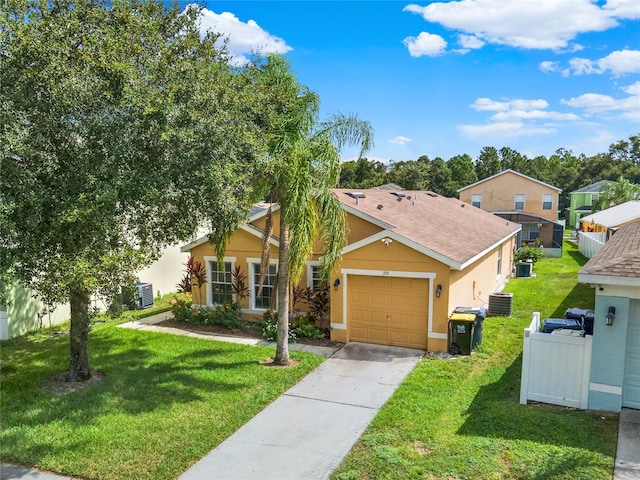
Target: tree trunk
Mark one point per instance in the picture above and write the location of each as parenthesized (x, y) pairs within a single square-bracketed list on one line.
[(282, 341), (79, 338)]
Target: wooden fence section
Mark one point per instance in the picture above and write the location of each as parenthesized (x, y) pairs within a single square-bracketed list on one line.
[(555, 368)]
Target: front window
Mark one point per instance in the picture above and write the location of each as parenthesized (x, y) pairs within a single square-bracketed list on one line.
[(220, 281), (314, 276), (594, 198), (547, 201), (519, 204), (476, 200), (263, 300)]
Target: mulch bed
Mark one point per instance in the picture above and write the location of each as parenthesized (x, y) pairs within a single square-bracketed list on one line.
[(251, 330)]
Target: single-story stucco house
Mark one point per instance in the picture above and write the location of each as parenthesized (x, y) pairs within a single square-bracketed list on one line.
[(615, 360), (411, 258)]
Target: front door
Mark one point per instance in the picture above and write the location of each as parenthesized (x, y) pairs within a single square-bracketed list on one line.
[(631, 386)]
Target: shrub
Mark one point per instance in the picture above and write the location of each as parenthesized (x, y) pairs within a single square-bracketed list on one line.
[(227, 315), (526, 252), (270, 327), (309, 331)]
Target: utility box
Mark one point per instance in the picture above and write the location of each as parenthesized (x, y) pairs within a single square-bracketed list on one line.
[(461, 333), (524, 269)]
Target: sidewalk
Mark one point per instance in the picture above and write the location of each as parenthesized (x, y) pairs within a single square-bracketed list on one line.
[(307, 431), (628, 455)]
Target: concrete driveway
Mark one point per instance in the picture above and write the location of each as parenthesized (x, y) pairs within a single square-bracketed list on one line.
[(308, 430)]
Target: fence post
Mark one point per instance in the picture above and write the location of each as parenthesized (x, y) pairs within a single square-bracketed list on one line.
[(526, 357)]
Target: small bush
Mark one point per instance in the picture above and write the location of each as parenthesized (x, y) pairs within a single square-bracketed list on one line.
[(226, 315), (526, 252), (270, 327), (309, 331)]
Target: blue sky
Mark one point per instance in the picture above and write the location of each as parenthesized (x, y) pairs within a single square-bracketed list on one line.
[(447, 78)]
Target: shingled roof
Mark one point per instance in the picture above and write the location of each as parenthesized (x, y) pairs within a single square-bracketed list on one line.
[(620, 257), (446, 226)]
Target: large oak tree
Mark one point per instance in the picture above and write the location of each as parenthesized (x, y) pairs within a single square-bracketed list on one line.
[(121, 127)]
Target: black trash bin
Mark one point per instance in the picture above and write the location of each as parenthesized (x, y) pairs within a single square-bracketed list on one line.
[(584, 315), (461, 333), (481, 314)]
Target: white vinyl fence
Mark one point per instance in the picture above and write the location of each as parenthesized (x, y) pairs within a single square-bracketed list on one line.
[(555, 368), (590, 243)]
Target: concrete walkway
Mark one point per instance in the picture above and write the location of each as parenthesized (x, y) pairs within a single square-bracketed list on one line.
[(306, 432), (628, 455)]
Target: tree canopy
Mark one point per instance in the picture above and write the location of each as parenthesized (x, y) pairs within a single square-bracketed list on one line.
[(121, 127)]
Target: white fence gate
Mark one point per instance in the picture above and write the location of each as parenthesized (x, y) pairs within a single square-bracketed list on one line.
[(590, 243), (555, 368)]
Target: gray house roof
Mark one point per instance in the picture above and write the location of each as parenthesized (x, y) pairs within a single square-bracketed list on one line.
[(616, 215), (618, 262), (593, 188)]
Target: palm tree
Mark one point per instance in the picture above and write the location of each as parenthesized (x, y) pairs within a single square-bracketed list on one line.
[(304, 167), (615, 193)]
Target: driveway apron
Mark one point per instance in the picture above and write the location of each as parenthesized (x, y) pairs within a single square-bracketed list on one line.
[(308, 430)]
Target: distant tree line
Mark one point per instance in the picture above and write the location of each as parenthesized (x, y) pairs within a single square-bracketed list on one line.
[(563, 169)]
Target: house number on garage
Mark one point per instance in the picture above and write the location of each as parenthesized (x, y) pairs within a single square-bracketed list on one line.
[(385, 274)]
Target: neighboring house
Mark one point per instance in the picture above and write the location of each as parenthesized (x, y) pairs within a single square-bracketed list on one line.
[(582, 201), (615, 360), (25, 313), (410, 260), (597, 228), (609, 220), (524, 200)]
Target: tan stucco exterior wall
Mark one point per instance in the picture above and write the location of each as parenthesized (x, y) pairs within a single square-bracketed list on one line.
[(499, 193)]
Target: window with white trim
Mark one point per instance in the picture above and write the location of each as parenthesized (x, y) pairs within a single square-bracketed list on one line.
[(220, 282), (499, 263), (262, 301), (594, 198), (547, 201), (314, 275), (519, 203), (476, 200)]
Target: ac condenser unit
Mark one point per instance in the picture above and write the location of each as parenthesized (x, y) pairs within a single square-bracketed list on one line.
[(145, 295), (524, 269)]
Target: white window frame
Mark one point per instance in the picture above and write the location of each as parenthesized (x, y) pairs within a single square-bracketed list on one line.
[(208, 260), (545, 201), (499, 262), (515, 203), (474, 200), (593, 198), (251, 263), (310, 277)]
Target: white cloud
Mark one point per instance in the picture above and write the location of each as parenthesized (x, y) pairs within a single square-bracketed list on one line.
[(470, 41), (596, 104), (534, 115), (531, 24), (504, 130), (243, 38), (425, 44), (620, 62), (400, 140), (486, 104), (629, 9), (549, 67)]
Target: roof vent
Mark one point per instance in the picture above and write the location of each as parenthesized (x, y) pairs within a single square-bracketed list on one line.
[(431, 194), (398, 194), (399, 199), (379, 207), (356, 194)]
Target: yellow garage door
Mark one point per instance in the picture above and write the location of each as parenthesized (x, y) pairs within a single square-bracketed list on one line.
[(388, 310)]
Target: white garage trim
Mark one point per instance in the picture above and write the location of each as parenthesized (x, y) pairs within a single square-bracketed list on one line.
[(388, 273), (600, 387)]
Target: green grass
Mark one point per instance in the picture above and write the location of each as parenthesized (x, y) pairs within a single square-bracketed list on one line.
[(461, 418), (165, 401)]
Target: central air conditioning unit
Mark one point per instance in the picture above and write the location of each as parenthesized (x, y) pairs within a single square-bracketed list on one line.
[(145, 295), (524, 269)]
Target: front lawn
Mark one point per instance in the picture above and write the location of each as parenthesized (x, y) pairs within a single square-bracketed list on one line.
[(461, 418), (165, 401)]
